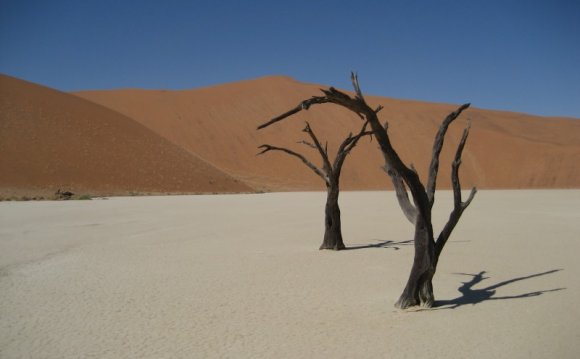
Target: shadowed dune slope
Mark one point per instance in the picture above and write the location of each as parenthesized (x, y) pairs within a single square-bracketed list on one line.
[(51, 140), (505, 149)]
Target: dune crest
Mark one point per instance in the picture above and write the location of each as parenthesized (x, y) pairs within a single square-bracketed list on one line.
[(218, 123)]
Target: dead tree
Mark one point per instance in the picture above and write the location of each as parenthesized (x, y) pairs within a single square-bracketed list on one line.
[(419, 288), (330, 173)]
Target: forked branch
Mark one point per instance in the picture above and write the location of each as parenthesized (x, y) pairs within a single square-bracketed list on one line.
[(455, 173), (458, 205), (437, 146), (355, 84), (348, 144), (323, 151)]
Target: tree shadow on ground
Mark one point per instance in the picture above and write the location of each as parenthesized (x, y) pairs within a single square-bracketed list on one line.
[(476, 296), (383, 244)]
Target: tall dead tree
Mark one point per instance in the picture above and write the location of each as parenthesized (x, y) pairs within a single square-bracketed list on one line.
[(330, 173), (419, 288)]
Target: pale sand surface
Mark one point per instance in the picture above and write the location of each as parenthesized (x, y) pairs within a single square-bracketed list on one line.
[(240, 276)]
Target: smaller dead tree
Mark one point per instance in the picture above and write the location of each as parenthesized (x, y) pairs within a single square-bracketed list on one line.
[(330, 173)]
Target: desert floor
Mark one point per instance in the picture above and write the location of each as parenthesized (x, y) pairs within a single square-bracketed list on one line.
[(241, 276)]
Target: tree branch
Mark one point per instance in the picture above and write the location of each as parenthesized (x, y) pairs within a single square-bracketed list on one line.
[(458, 205), (437, 146), (307, 144), (323, 152), (402, 196), (455, 167), (392, 159), (347, 145), (304, 105), (318, 171), (359, 95), (363, 132)]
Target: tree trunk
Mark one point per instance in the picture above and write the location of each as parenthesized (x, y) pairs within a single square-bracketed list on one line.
[(332, 230), (419, 288)]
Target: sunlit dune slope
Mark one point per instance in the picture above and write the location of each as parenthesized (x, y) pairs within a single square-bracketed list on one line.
[(51, 140)]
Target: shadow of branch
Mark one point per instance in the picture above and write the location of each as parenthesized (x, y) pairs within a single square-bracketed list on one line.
[(383, 244), (476, 296)]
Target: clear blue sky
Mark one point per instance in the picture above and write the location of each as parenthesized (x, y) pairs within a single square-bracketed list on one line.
[(515, 55)]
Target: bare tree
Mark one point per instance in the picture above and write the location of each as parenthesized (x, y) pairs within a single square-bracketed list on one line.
[(330, 173), (419, 288)]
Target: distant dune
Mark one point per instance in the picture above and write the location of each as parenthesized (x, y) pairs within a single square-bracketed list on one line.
[(51, 140), (205, 140), (505, 149)]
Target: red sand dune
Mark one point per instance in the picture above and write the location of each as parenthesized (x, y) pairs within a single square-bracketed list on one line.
[(51, 140), (505, 149)]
